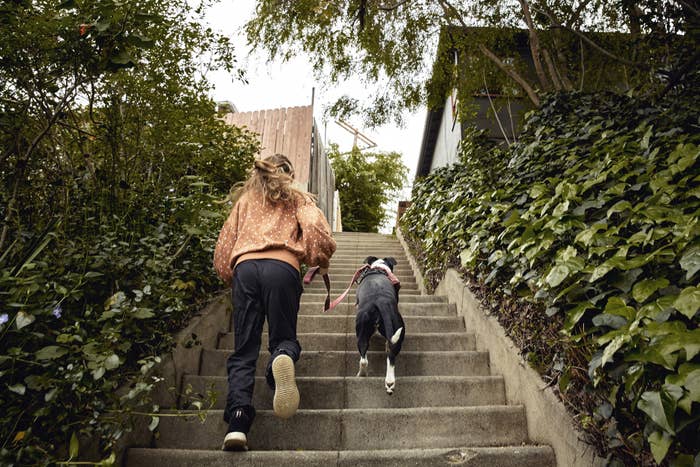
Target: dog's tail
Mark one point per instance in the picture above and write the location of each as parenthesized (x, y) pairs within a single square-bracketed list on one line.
[(394, 328), (397, 335)]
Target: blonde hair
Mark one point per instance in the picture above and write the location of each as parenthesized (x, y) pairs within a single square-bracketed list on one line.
[(273, 177)]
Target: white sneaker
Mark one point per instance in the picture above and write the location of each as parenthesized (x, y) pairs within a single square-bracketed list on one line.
[(235, 441), (286, 400)]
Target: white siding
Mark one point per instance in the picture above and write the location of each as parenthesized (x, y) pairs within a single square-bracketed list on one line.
[(448, 139)]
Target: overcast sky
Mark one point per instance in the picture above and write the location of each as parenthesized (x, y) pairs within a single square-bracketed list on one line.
[(273, 85)]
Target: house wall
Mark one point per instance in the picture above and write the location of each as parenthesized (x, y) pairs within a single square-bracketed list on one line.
[(508, 114), (448, 138)]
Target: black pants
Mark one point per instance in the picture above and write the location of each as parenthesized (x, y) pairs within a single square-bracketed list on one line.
[(264, 288)]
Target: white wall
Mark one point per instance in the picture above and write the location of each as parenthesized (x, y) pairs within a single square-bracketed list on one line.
[(448, 139)]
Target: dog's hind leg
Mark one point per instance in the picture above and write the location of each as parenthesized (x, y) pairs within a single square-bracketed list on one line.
[(364, 330), (393, 347)]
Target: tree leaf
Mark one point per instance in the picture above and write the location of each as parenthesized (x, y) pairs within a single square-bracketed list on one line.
[(111, 362), (143, 313), (24, 319), (50, 352), (688, 302), (18, 388), (98, 373), (154, 423), (74, 446)]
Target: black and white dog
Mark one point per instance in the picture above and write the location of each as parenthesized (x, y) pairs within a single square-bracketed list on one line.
[(378, 309)]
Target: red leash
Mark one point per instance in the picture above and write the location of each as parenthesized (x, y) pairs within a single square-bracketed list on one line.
[(328, 306)]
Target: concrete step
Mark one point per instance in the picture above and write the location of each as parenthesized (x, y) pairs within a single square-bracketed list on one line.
[(341, 363), (335, 292), (338, 287), (363, 251), (507, 456), (344, 277), (345, 323), (360, 393), (357, 429), (311, 297), (406, 309), (359, 257), (348, 342)]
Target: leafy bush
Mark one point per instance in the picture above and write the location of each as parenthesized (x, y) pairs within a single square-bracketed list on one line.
[(112, 157), (593, 214)]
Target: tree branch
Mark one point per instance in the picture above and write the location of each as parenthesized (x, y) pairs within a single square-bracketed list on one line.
[(35, 142), (577, 14), (449, 11), (512, 73), (535, 47), (590, 42), (558, 85)]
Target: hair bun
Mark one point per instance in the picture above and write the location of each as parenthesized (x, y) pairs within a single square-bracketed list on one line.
[(264, 166)]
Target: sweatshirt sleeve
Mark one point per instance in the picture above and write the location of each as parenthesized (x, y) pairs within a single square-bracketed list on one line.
[(318, 241), (225, 245)]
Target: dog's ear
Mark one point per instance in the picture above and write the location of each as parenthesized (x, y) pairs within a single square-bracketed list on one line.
[(391, 262), (370, 259)]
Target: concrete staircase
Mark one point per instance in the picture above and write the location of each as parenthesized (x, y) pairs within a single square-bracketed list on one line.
[(447, 409)]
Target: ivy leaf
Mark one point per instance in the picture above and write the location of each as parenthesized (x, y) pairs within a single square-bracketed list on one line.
[(646, 288), (575, 314), (24, 319), (613, 347), (557, 275), (660, 408), (620, 206), (688, 301), (613, 321), (617, 306), (690, 261), (659, 443), (50, 352)]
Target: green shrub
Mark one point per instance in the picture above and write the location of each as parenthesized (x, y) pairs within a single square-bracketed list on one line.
[(112, 155), (593, 214)]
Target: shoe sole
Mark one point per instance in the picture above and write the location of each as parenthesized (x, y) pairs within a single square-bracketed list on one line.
[(235, 441), (286, 400)]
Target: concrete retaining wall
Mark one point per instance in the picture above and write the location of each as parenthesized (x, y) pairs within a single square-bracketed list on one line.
[(184, 359), (548, 422), (414, 264)]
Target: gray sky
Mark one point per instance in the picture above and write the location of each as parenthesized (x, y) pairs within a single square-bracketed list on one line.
[(273, 85)]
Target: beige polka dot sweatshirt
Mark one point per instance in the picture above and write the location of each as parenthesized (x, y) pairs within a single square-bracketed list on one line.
[(294, 232)]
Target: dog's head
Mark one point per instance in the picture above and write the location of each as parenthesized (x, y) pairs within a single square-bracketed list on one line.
[(389, 262)]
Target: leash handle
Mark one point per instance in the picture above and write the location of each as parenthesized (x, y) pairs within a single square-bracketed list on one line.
[(309, 276), (328, 306)]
